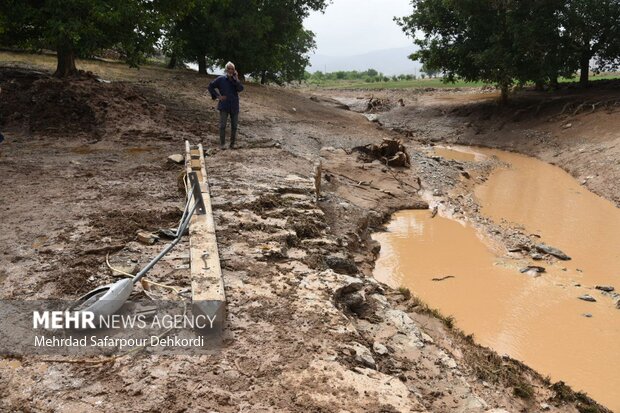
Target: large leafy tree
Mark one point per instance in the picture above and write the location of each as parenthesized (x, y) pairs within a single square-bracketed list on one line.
[(592, 29), (508, 41), (79, 28), (264, 38)]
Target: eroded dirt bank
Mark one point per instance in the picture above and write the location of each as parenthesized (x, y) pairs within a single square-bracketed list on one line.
[(84, 166), (573, 128)]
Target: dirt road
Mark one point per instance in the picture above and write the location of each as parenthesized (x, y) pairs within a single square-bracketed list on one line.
[(85, 166)]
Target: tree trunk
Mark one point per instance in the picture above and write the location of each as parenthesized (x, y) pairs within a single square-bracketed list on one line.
[(553, 80), (539, 85), (263, 77), (65, 66), (173, 61), (504, 89), (584, 68), (202, 65)]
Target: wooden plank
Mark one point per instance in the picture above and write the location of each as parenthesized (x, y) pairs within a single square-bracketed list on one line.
[(208, 295)]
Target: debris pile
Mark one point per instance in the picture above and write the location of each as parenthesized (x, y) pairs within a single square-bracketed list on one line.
[(390, 152)]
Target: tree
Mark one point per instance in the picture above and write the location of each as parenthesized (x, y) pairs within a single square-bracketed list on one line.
[(264, 38), (429, 71), (467, 39), (592, 30), (80, 28), (514, 41)]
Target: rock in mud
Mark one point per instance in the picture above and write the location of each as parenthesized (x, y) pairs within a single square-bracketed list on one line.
[(606, 288), (176, 158), (147, 238), (552, 251), (341, 265), (127, 268), (350, 296), (587, 297), (364, 356), (532, 268), (379, 348), (405, 325)]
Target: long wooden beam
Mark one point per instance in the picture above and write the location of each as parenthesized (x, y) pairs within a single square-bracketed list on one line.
[(208, 296)]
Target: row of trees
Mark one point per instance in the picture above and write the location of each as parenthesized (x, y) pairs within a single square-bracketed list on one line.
[(368, 76), (265, 38), (515, 41)]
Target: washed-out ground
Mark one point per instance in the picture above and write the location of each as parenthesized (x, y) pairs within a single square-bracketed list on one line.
[(84, 167)]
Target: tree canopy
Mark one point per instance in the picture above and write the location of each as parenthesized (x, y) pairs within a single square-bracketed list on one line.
[(514, 41), (80, 28), (264, 38)]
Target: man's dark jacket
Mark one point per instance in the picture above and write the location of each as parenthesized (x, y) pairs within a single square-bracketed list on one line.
[(228, 87)]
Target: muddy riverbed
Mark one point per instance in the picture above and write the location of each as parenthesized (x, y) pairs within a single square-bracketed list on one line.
[(308, 328), (533, 316)]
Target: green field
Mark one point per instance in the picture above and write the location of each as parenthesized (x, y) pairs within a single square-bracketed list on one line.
[(425, 83), (391, 84)]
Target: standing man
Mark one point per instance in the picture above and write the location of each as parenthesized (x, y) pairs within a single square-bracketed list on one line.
[(228, 86)]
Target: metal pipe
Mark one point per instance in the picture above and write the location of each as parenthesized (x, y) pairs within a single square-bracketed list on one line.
[(168, 247)]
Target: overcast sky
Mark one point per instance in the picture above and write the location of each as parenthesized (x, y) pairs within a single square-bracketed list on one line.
[(351, 27)]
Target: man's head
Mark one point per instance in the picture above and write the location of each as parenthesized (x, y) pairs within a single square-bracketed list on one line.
[(230, 68)]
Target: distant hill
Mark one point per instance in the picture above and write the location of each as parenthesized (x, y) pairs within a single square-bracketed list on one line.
[(387, 61)]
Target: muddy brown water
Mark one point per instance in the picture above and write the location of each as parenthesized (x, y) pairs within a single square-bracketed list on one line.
[(538, 320)]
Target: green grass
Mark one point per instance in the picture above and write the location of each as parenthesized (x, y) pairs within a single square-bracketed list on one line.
[(401, 84), (432, 83), (600, 76)]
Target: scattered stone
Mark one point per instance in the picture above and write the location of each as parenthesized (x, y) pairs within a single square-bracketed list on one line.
[(176, 158), (351, 296), (567, 125), (446, 360), (606, 288), (341, 265), (437, 192), (379, 348), (588, 315), (536, 256), (363, 355), (587, 297), (465, 174), (273, 250), (147, 238), (127, 268), (372, 117), (552, 251), (545, 406), (532, 268)]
